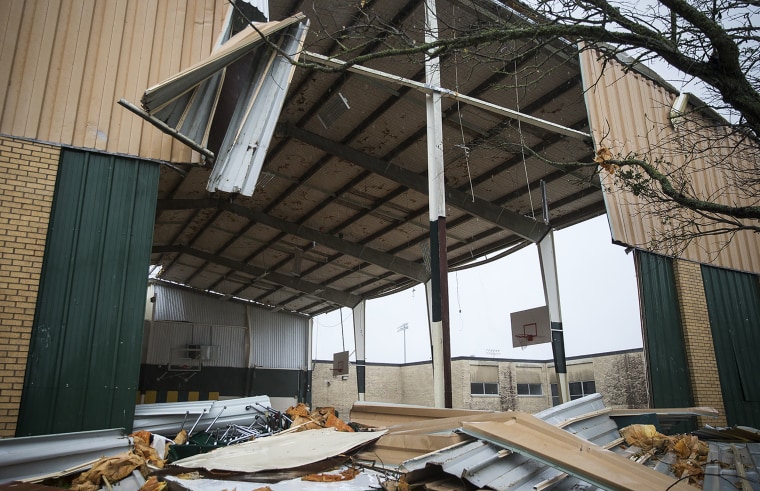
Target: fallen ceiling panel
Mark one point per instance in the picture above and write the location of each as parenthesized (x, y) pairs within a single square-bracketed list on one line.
[(281, 451)]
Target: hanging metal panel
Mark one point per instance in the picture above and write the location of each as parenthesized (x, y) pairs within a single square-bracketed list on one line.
[(663, 334), (627, 108), (179, 304), (245, 145), (84, 355), (232, 50), (733, 304), (279, 340)]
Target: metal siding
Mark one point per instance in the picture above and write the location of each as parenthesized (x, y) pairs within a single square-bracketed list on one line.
[(232, 343), (166, 336), (733, 302), (279, 340), (626, 111), (64, 64), (178, 304), (84, 353), (663, 335)]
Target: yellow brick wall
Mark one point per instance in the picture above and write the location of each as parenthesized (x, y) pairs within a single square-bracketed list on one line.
[(700, 352), (27, 180)]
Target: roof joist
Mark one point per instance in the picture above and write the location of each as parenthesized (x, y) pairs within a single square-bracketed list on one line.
[(393, 263), (525, 227), (312, 289)]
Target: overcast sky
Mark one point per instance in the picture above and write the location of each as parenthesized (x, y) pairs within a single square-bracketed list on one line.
[(598, 294)]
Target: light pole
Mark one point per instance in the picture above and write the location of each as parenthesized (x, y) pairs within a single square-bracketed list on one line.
[(403, 327)]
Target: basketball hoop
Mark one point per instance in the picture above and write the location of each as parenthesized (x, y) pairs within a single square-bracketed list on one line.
[(528, 337), (530, 332)]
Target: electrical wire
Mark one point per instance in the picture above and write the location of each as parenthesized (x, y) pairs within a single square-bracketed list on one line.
[(463, 146), (522, 144)]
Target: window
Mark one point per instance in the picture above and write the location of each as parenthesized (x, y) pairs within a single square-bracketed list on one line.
[(484, 388), (529, 379), (530, 390), (555, 395), (577, 390), (580, 389), (484, 380)]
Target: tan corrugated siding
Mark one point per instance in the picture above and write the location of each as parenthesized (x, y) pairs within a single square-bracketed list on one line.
[(628, 113), (65, 64)]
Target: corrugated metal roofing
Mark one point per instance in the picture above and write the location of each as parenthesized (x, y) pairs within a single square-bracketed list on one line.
[(732, 466), (487, 465), (630, 114), (34, 456), (168, 418)]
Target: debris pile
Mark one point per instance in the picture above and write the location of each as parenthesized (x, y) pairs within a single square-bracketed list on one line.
[(107, 471), (576, 445), (321, 417), (688, 451)]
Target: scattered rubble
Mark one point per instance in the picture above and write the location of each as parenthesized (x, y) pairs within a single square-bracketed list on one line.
[(106, 471), (321, 417), (572, 446), (689, 451)]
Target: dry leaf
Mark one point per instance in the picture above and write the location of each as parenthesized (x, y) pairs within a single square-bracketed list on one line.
[(153, 484), (345, 475), (602, 156)]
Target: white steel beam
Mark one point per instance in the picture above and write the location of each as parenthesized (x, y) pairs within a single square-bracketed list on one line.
[(448, 93)]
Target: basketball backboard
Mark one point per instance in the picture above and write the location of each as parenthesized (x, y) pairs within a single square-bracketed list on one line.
[(530, 326), (340, 363)]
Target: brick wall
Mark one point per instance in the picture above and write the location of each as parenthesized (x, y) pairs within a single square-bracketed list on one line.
[(27, 180), (412, 384), (700, 352), (619, 377)]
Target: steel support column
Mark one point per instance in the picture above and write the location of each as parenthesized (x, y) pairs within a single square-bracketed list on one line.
[(359, 313), (439, 291)]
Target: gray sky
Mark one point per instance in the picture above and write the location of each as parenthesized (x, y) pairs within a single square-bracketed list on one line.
[(598, 294)]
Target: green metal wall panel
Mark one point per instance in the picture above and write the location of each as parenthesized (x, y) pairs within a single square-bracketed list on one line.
[(84, 355), (733, 303), (663, 333)]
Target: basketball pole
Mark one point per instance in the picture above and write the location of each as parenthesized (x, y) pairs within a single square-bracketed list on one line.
[(548, 261)]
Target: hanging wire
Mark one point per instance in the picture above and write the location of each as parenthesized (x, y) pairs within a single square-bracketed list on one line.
[(522, 144), (459, 302), (342, 335), (463, 146)]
